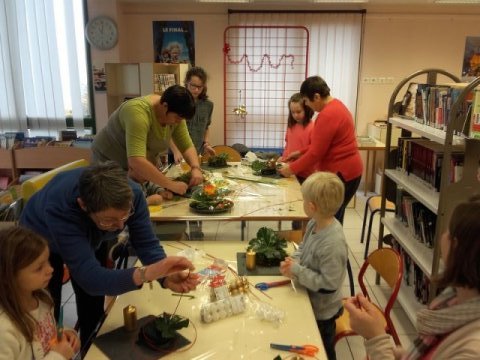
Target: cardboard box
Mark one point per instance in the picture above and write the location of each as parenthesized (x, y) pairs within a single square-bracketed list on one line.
[(378, 130)]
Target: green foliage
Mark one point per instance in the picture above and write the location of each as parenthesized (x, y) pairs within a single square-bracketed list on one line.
[(218, 160), (269, 248), (258, 165), (167, 324), (185, 177)]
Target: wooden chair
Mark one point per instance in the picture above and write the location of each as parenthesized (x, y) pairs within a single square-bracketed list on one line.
[(31, 186), (388, 264), (233, 155), (295, 236), (373, 204)]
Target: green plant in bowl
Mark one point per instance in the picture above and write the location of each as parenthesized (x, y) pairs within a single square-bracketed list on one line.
[(161, 331), (269, 247), (219, 160)]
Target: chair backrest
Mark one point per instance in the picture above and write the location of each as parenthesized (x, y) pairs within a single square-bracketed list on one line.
[(295, 236), (31, 186), (233, 155), (389, 265)]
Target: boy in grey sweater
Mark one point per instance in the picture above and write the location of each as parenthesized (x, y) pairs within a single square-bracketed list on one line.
[(320, 262)]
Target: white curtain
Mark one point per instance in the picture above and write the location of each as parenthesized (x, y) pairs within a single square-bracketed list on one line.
[(43, 75), (334, 46)]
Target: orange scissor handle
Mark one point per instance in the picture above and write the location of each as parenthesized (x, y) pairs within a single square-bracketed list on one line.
[(309, 350)]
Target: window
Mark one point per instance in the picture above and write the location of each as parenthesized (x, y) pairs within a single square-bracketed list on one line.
[(43, 68), (333, 53)]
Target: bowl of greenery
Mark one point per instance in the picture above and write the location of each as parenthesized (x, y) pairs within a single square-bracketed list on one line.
[(160, 333), (210, 199), (268, 247), (218, 161)]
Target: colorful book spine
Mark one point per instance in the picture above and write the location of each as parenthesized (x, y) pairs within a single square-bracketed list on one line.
[(475, 119)]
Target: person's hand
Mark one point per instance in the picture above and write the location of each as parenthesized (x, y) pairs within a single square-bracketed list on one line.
[(209, 150), (63, 347), (286, 267), (168, 266), (365, 318), (166, 195), (182, 282), (177, 157), (196, 178), (285, 171), (72, 339), (178, 187), (293, 156), (155, 199)]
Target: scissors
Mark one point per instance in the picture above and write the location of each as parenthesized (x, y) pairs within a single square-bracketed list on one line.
[(264, 285), (309, 350)]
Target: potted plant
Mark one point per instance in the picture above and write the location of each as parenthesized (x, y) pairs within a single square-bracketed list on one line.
[(160, 333), (268, 247), (219, 160)]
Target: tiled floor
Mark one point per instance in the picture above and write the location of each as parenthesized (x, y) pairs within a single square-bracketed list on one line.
[(349, 348)]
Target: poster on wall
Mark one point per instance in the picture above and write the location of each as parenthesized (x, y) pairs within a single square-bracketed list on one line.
[(174, 42), (471, 59), (99, 79)]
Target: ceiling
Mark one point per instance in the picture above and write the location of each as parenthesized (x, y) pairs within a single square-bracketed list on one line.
[(403, 6)]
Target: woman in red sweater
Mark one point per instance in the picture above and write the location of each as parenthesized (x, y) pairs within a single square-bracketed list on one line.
[(333, 144)]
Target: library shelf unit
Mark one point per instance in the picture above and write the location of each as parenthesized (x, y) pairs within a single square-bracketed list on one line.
[(130, 80), (7, 165), (440, 202)]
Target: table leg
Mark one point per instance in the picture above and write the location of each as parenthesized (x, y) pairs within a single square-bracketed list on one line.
[(367, 172)]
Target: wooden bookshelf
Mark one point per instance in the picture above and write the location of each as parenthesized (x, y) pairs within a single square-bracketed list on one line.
[(47, 157), (7, 165), (130, 80)]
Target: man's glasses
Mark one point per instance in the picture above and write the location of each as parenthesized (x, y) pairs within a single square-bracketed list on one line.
[(193, 86), (110, 223)]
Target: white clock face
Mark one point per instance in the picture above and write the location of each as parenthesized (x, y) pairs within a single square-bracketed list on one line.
[(102, 33)]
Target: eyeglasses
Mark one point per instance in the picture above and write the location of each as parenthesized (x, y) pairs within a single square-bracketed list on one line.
[(197, 87), (110, 223)]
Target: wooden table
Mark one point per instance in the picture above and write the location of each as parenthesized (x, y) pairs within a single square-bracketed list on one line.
[(371, 149), (280, 200), (242, 336)]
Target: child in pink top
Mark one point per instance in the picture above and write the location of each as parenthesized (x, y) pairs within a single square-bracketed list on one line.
[(299, 128)]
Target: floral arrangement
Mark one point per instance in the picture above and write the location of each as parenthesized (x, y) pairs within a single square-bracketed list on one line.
[(210, 198), (269, 247), (162, 330), (219, 160)]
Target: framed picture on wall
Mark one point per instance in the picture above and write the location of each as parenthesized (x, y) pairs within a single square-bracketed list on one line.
[(174, 42), (471, 59)]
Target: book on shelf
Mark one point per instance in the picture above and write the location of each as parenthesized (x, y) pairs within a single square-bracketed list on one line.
[(431, 104), (419, 220), (4, 181), (407, 263), (474, 131), (421, 285), (162, 81), (36, 141), (423, 159)]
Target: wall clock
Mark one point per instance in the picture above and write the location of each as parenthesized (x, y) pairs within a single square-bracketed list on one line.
[(101, 32)]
